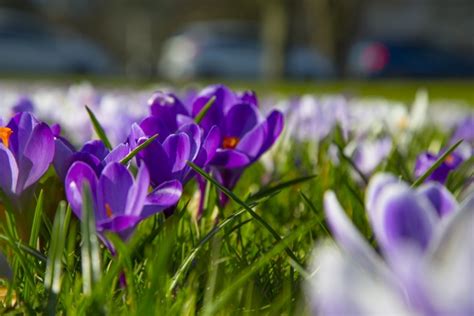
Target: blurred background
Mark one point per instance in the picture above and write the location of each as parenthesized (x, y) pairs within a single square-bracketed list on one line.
[(181, 40)]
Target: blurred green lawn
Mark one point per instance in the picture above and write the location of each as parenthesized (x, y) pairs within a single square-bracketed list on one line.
[(396, 89)]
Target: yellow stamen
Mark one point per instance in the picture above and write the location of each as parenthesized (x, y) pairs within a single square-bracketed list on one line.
[(108, 210), (230, 142), (5, 134)]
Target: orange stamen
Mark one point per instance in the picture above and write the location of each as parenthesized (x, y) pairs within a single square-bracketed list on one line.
[(108, 210), (5, 134), (449, 160), (230, 142)]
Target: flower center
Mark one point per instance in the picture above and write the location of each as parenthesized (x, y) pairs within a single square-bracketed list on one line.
[(230, 142), (5, 134), (449, 160), (108, 210)]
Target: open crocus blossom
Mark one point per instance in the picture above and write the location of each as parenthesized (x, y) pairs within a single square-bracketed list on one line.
[(427, 248), (120, 201), (26, 151), (244, 133), (93, 152), (425, 160), (166, 158)]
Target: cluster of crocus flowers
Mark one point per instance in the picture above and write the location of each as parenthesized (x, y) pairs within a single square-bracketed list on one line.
[(425, 262)]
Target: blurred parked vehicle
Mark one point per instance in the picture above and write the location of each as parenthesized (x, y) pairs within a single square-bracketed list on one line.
[(232, 50), (384, 58), (30, 45)]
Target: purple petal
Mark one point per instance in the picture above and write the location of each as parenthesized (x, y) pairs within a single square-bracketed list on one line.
[(345, 232), (209, 147), (195, 135), (117, 154), (152, 125), (157, 161), (113, 190), (164, 196), (178, 148), (441, 199), (22, 125), (138, 192), (400, 218), (240, 119), (96, 148), (78, 174), (167, 107), (249, 97), (63, 152), (37, 156), (375, 187), (119, 224), (8, 170), (229, 158)]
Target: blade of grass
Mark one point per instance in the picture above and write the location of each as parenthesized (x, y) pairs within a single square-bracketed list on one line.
[(90, 257), (351, 163), (274, 189), (228, 292), (35, 228), (204, 110), (436, 164), (52, 280), (98, 128), (140, 147), (260, 220)]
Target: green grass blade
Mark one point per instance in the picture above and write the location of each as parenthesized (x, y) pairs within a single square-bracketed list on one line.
[(189, 259), (204, 110), (437, 163), (279, 187), (90, 256), (98, 128), (134, 152), (351, 163), (35, 228), (240, 280), (260, 220), (54, 264)]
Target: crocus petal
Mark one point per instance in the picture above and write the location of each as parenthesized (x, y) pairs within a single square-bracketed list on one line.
[(78, 174), (178, 148), (138, 192), (8, 170), (441, 199), (37, 156), (115, 183), (167, 107), (117, 154), (450, 282), (375, 187), (195, 135), (63, 152), (275, 124), (95, 147), (229, 158), (157, 161), (118, 223), (152, 125), (22, 125), (249, 97), (401, 218), (209, 147), (164, 196), (345, 233), (240, 119)]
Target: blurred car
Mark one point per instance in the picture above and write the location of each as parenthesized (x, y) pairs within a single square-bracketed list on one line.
[(232, 50), (390, 58), (30, 45)]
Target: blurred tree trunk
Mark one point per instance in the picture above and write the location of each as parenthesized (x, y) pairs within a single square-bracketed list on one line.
[(275, 23), (334, 25)]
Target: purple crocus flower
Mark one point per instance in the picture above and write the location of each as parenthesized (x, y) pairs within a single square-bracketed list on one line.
[(245, 133), (167, 157), (427, 249), (120, 201), (26, 151), (93, 152), (425, 160)]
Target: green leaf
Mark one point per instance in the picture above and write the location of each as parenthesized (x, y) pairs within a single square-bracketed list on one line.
[(204, 110), (437, 163), (98, 128), (90, 256), (260, 220), (52, 280), (134, 152), (277, 188), (35, 228)]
